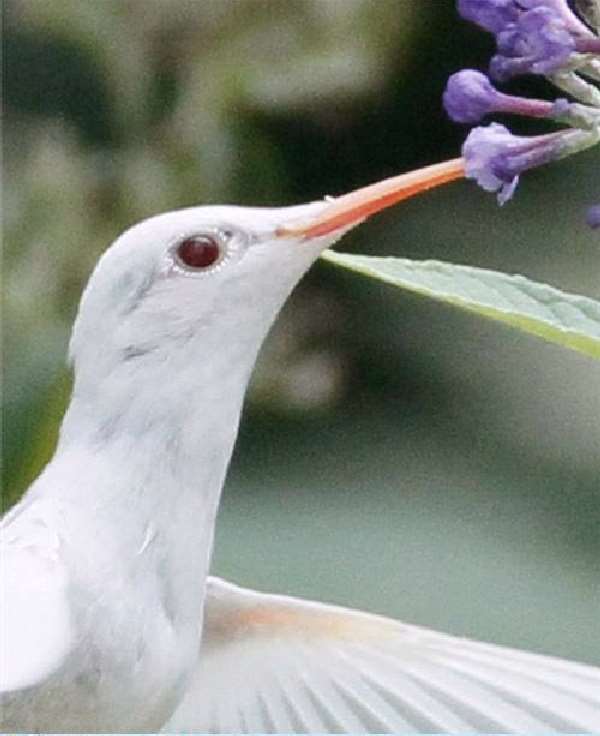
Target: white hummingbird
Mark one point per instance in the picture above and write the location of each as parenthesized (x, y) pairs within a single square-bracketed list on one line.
[(109, 624)]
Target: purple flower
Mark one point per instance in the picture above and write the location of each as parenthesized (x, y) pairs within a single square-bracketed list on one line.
[(493, 15), (470, 95), (480, 149), (532, 37), (497, 15), (593, 216), (539, 42), (494, 157), (562, 10)]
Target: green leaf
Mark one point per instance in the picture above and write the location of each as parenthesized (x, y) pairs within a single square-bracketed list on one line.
[(556, 316)]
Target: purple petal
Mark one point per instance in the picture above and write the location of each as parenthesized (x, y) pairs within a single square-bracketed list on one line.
[(507, 190), (494, 157), (539, 42), (480, 149), (561, 10), (469, 95), (492, 15)]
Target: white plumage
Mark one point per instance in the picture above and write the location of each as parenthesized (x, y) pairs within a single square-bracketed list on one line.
[(275, 664), (105, 561)]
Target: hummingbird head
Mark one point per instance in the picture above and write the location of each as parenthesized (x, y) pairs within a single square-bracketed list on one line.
[(179, 305), (190, 286)]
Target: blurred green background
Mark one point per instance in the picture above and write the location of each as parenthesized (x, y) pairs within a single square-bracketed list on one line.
[(395, 455)]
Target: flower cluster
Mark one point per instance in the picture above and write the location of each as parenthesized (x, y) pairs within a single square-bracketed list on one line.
[(543, 37)]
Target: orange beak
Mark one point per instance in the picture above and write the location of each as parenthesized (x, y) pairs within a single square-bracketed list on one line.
[(352, 208)]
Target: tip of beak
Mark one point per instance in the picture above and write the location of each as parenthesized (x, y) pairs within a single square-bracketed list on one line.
[(351, 209)]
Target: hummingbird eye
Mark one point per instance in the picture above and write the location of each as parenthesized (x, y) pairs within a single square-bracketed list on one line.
[(198, 252)]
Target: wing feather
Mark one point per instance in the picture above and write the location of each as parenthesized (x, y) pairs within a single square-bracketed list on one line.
[(556, 704), (302, 707), (410, 696), (277, 718), (323, 690), (281, 665), (378, 715), (35, 628)]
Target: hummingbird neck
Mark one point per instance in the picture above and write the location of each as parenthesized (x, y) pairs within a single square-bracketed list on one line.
[(153, 468), (144, 449), (160, 440)]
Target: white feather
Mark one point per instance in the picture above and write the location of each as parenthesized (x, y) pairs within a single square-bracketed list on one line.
[(35, 628), (302, 667)]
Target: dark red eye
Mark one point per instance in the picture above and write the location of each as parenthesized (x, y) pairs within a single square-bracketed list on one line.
[(199, 251)]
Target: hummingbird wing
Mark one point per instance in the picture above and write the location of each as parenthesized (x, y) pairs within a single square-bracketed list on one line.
[(35, 629), (276, 664)]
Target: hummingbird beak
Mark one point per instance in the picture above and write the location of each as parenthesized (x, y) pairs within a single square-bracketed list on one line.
[(351, 209)]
